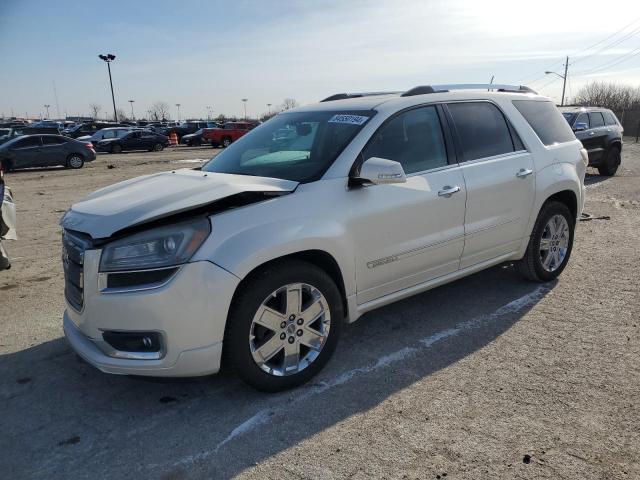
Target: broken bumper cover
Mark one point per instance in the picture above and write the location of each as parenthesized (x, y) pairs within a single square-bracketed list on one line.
[(189, 312)]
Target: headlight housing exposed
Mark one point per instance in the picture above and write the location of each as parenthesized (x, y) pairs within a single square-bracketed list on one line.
[(160, 247)]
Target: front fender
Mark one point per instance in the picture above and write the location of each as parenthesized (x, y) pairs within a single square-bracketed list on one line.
[(246, 238)]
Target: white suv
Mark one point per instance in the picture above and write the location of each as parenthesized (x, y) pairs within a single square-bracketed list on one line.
[(260, 257)]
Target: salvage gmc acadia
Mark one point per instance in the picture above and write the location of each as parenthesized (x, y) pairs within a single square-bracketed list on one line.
[(323, 213)]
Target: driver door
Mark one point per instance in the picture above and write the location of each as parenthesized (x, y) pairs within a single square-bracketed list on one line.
[(409, 233)]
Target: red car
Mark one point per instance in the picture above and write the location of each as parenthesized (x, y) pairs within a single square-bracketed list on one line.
[(226, 135)]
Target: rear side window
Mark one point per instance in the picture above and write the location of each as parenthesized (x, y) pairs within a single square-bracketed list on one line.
[(546, 120), (596, 119), (609, 118), (53, 140), (482, 130), (413, 138)]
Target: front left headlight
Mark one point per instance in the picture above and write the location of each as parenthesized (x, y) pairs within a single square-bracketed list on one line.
[(160, 247)]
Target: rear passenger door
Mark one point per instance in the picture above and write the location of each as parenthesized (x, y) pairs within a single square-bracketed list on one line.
[(409, 233), (54, 150), (500, 180), (597, 136)]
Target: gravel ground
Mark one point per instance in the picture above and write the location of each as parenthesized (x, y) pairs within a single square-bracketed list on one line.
[(488, 377)]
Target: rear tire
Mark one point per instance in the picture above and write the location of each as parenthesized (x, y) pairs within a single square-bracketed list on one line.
[(158, 147), (318, 299), (75, 161), (610, 164), (548, 250), (226, 141)]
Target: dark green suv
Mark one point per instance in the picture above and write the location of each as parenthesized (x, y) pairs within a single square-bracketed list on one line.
[(600, 132)]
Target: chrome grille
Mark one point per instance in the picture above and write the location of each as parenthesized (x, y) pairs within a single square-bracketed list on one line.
[(73, 248)]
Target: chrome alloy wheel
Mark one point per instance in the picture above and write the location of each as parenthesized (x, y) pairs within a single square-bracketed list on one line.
[(554, 243), (289, 329)]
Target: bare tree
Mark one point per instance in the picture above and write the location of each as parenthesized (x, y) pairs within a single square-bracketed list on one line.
[(159, 111), (289, 103), (122, 117), (95, 110), (609, 95)]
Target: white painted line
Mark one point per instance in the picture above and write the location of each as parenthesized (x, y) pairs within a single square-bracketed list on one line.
[(262, 416), (191, 160)]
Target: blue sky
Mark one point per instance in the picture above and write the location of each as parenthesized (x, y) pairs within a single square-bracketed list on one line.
[(213, 53)]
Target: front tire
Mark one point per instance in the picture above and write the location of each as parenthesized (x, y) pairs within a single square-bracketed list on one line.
[(610, 164), (116, 149), (283, 326), (158, 147), (226, 141), (550, 243), (75, 161)]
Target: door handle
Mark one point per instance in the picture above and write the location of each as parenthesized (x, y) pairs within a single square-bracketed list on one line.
[(448, 191), (592, 133), (524, 172)]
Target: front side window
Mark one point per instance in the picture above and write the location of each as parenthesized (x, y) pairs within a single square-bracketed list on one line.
[(545, 120), (302, 157), (582, 118), (482, 130), (596, 119), (413, 138), (27, 143)]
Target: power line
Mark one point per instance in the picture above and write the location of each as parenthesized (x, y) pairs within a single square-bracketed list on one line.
[(606, 38), (610, 45), (610, 63)]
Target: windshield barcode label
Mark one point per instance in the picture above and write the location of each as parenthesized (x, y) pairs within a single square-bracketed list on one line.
[(350, 119)]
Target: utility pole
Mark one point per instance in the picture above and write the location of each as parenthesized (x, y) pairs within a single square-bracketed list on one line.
[(108, 58), (133, 117), (47, 107), (563, 77)]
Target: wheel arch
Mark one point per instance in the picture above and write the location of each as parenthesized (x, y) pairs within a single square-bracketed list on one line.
[(567, 197), (319, 258)]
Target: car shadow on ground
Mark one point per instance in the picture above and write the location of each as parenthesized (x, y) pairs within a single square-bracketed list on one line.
[(66, 419), (594, 178)]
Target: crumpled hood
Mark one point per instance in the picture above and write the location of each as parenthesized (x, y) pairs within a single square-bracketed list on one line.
[(150, 197)]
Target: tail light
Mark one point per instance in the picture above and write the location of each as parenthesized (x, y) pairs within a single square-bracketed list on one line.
[(90, 145), (585, 156)]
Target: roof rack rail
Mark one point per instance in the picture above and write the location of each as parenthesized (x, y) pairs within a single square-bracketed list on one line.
[(344, 96), (423, 89)]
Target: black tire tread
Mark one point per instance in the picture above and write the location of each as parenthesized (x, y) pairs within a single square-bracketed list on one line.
[(528, 265)]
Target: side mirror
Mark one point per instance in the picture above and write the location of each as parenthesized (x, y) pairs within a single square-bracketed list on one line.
[(580, 127), (380, 171)]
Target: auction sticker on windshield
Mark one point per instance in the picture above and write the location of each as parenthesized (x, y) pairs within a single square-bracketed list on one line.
[(350, 119)]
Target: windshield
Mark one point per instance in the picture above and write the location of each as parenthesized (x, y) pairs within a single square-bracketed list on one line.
[(568, 116), (4, 131), (292, 146)]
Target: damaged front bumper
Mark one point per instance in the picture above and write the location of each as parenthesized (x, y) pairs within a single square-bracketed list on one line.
[(188, 314)]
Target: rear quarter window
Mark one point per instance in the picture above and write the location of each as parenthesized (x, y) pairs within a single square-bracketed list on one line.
[(546, 121), (609, 118)]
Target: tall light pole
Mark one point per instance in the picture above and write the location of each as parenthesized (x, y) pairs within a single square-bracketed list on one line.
[(108, 58), (47, 107), (244, 101), (209, 112), (133, 117), (269, 107), (178, 106), (564, 79)]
